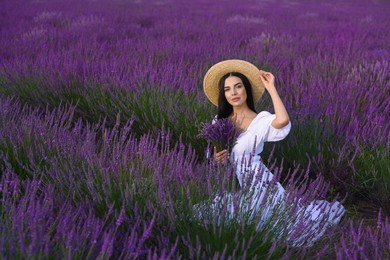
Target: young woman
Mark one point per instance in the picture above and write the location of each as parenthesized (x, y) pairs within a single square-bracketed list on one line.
[(234, 86)]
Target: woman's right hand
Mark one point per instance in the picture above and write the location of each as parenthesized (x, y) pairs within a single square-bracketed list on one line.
[(221, 156)]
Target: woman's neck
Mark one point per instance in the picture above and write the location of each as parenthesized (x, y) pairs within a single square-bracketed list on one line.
[(243, 116), (241, 111)]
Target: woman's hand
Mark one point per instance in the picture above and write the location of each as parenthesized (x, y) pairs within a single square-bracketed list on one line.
[(282, 118), (220, 157), (268, 80)]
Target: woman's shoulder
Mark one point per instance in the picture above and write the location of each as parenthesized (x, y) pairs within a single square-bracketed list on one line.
[(258, 121), (262, 119), (262, 116)]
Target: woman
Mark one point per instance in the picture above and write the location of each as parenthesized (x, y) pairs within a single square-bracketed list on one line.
[(234, 86)]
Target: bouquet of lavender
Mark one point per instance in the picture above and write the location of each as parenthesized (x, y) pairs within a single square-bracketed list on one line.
[(222, 133)]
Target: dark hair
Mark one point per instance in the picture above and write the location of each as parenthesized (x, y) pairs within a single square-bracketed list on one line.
[(224, 108)]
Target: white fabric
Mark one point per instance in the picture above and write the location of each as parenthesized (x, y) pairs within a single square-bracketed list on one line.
[(264, 200), (251, 142)]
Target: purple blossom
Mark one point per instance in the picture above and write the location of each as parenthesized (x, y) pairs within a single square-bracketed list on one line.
[(121, 217), (222, 133)]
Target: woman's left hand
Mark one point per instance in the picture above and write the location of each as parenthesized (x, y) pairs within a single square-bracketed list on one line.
[(268, 79), (221, 156)]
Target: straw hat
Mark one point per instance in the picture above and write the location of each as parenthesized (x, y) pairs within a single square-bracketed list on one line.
[(217, 71)]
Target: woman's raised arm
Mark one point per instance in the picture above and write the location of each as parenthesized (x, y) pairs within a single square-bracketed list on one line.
[(282, 118)]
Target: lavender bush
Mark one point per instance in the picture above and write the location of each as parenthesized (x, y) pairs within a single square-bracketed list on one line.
[(101, 103)]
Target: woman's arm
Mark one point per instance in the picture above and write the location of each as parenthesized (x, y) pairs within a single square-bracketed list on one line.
[(282, 118)]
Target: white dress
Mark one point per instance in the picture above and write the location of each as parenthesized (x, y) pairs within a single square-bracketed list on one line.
[(265, 201)]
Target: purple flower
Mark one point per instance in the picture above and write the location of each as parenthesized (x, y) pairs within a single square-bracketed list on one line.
[(222, 133)]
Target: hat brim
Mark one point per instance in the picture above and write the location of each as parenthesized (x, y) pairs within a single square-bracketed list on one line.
[(218, 70)]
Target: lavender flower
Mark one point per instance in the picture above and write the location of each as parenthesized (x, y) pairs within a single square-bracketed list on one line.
[(222, 133)]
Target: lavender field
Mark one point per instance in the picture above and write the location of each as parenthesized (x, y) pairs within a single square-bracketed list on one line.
[(101, 103)]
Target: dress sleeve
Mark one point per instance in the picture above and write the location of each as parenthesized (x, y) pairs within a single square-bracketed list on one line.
[(270, 133)]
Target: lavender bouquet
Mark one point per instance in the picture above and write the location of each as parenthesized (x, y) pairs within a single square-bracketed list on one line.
[(222, 133)]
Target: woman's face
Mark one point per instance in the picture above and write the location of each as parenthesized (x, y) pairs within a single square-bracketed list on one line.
[(235, 91)]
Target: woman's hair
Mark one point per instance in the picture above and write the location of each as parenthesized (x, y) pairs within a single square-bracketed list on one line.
[(224, 108)]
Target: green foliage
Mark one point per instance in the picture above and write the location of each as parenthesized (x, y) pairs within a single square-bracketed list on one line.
[(152, 108), (312, 145), (179, 113), (372, 176)]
